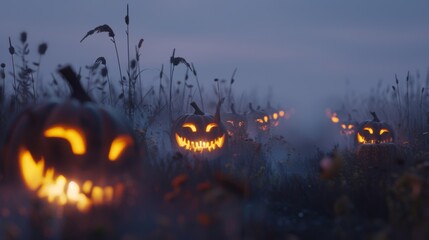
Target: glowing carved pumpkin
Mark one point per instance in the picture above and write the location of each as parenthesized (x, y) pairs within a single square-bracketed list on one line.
[(236, 124), (275, 115), (71, 152), (348, 127), (199, 133), (258, 124), (374, 132), (376, 144)]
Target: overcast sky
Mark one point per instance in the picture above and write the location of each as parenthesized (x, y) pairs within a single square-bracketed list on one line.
[(304, 50)]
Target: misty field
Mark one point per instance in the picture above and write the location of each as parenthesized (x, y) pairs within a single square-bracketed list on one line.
[(96, 153)]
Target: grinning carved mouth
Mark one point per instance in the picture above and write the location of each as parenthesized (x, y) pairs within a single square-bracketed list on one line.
[(362, 140), (200, 146), (58, 189)]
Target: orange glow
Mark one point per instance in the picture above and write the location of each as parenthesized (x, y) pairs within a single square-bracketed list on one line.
[(210, 126), (265, 118), (281, 113), (275, 116), (343, 126), (259, 120), (369, 130), (334, 118), (118, 146), (360, 138), (59, 189), (200, 146), (332, 115), (191, 126), (73, 136), (383, 131), (350, 126)]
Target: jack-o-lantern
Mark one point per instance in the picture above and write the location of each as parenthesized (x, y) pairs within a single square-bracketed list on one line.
[(236, 124), (258, 124), (200, 134), (275, 115), (348, 127), (374, 132), (71, 152), (376, 143), (259, 119)]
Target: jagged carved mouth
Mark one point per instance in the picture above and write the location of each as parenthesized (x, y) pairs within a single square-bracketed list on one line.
[(56, 188), (200, 146), (362, 140)]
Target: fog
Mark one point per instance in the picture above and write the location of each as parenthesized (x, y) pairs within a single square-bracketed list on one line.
[(305, 55)]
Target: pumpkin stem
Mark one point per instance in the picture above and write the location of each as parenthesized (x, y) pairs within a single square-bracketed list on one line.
[(197, 109), (77, 91), (374, 115), (217, 114)]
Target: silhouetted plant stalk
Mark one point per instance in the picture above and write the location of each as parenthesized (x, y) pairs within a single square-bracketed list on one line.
[(230, 100), (41, 51), (2, 84), (194, 71), (12, 52), (106, 28), (138, 47)]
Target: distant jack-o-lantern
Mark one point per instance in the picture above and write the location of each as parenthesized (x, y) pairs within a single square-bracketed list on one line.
[(200, 133), (348, 127), (71, 152), (258, 124), (275, 115), (236, 124), (374, 132), (259, 119)]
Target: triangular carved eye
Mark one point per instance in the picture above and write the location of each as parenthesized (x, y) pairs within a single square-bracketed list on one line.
[(350, 126), (118, 146), (210, 126), (369, 130), (343, 126), (383, 131), (73, 136), (191, 126)]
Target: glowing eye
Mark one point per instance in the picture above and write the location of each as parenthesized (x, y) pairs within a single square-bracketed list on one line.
[(369, 130), (118, 146), (343, 126), (240, 124), (191, 126), (210, 126), (259, 120), (275, 116), (281, 113), (230, 122), (265, 118), (350, 126), (73, 136), (383, 131)]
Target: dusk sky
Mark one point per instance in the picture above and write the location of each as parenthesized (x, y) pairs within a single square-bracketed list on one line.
[(303, 50)]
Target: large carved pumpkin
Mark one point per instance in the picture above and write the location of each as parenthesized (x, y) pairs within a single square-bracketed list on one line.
[(235, 123), (199, 134), (376, 143), (71, 152), (374, 132)]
